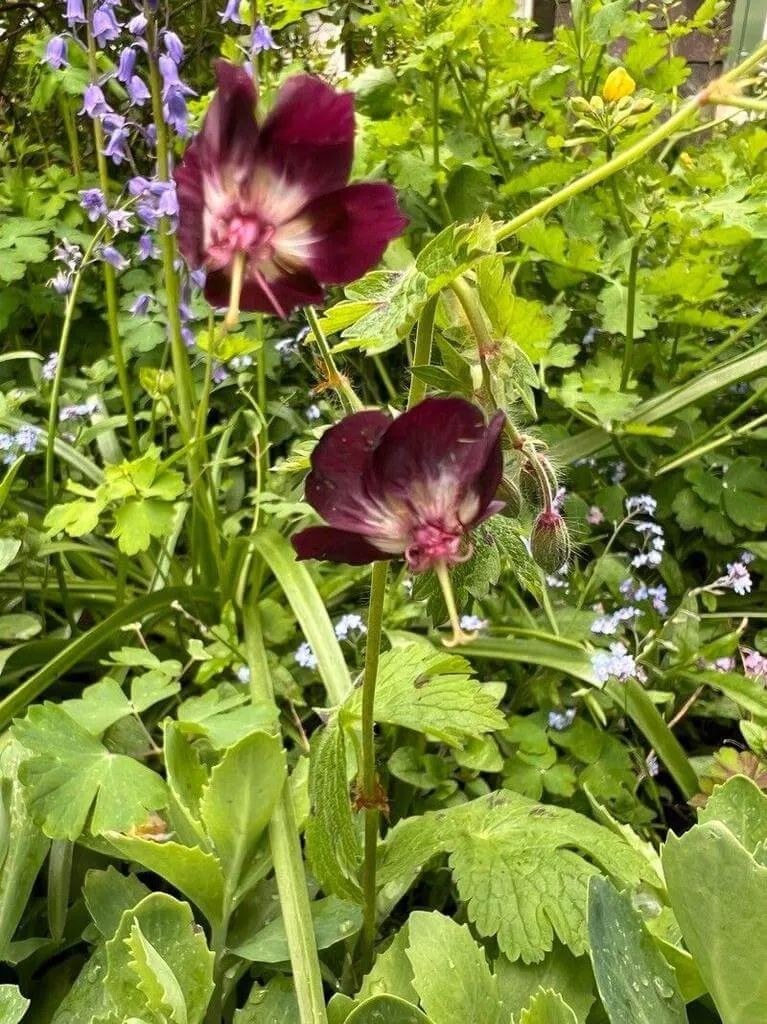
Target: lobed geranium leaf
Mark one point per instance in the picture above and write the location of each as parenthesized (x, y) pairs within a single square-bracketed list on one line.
[(108, 894), (69, 775), (275, 1003), (547, 1007), (740, 805), (13, 1004), (559, 971)]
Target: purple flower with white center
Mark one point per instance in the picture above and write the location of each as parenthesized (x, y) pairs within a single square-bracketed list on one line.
[(71, 255), (350, 627), (658, 595), (126, 65), (61, 283), (473, 623), (116, 148), (652, 765), (173, 46), (94, 103), (26, 438), (738, 579), (113, 257), (724, 665), (754, 664), (146, 248), (231, 13), (619, 472), (262, 39), (641, 504), (561, 720), (105, 25), (305, 656), (75, 12), (141, 306), (93, 202), (56, 52), (595, 516), (615, 664), (137, 25), (50, 366), (608, 625), (67, 413), (313, 413), (120, 220)]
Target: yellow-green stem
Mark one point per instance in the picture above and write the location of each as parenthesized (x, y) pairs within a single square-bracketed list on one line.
[(333, 378), (460, 636), (422, 355)]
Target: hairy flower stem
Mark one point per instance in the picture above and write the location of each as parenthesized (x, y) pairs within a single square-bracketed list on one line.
[(631, 154), (422, 355), (333, 378), (286, 852), (368, 782), (110, 278), (460, 636)]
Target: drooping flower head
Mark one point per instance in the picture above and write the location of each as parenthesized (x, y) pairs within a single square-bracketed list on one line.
[(276, 196), (413, 487)]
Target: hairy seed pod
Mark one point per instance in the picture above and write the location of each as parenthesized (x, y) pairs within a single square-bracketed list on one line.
[(550, 541), (510, 493), (530, 486)]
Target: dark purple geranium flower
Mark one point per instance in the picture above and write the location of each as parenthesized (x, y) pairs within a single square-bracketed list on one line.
[(413, 487), (277, 194)]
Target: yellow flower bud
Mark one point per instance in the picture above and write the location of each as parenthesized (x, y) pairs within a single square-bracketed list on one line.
[(618, 84)]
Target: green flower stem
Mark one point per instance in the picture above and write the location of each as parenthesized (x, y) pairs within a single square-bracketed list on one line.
[(71, 130), (422, 355), (286, 853), (628, 351), (632, 153), (333, 378), (368, 782), (110, 278), (745, 103), (713, 354)]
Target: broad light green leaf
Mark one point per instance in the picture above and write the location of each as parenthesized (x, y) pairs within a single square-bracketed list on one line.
[(633, 979), (13, 1005), (559, 971), (742, 807), (70, 774), (239, 799), (718, 893), (20, 626), (274, 1004), (195, 873), (225, 715), (433, 692), (332, 919), (547, 1007), (187, 779), (86, 1002), (387, 1010), (23, 847), (155, 978), (137, 522), (392, 972), (169, 928), (450, 972), (108, 894), (534, 855), (104, 703), (332, 843), (613, 308)]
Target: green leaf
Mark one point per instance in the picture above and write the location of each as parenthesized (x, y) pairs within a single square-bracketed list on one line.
[(108, 894), (136, 522), (333, 920), (187, 779), (742, 807), (13, 1005), (432, 692), (718, 893), (239, 799), (274, 1004), (387, 1010), (70, 774), (392, 972), (450, 973), (535, 856), (132, 982), (559, 971), (633, 979), (86, 1002), (20, 626), (226, 715), (547, 1007), (552, 653), (332, 843), (104, 703), (597, 389), (613, 307)]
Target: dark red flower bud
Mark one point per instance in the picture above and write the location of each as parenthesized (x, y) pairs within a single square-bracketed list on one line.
[(277, 194), (414, 486), (550, 541)]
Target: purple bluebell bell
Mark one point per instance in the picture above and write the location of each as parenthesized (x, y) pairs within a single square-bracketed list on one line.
[(175, 112), (147, 214), (137, 91), (93, 202), (198, 277), (146, 248), (75, 12), (61, 283), (120, 220), (173, 46), (94, 103), (138, 185), (187, 337), (231, 13), (126, 65), (169, 72), (69, 254), (116, 148), (167, 199), (113, 256), (112, 122), (137, 25), (262, 39), (56, 52), (141, 306), (105, 25)]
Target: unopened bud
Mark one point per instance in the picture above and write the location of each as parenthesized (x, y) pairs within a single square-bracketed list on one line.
[(510, 493), (550, 541), (618, 84), (580, 105), (530, 486)]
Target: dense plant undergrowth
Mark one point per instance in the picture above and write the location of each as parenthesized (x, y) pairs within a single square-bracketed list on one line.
[(515, 771)]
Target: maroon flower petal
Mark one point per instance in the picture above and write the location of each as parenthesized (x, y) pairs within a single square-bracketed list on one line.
[(334, 545), (335, 486), (308, 136), (352, 228), (488, 479), (229, 134), (284, 294), (191, 200)]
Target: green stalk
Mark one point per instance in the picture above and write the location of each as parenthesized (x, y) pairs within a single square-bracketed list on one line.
[(628, 351), (632, 153), (286, 852), (422, 356), (71, 130), (368, 780), (110, 278), (333, 378)]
